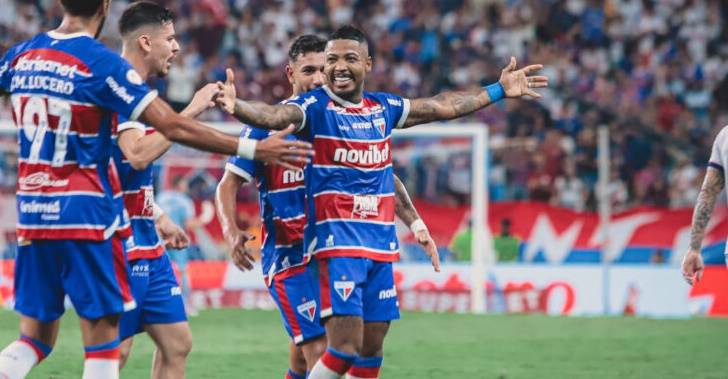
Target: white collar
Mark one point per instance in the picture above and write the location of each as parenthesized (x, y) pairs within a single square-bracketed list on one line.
[(347, 104), (56, 35)]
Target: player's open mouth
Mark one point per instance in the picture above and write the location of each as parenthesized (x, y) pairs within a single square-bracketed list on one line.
[(342, 79)]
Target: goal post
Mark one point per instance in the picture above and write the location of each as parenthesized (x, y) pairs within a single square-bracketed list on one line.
[(482, 242)]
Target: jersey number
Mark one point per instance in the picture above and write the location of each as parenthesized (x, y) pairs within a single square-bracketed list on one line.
[(34, 121)]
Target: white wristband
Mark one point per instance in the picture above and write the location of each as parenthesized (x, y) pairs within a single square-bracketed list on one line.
[(157, 212), (246, 148), (418, 226)]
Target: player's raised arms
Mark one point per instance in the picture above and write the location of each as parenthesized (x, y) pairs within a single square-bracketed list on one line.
[(449, 105)]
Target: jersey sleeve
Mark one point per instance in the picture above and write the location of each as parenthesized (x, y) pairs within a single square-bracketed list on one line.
[(306, 103), (5, 70), (125, 124), (717, 155), (245, 168), (119, 88), (397, 109)]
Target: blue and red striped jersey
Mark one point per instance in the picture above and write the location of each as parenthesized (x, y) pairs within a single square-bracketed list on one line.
[(350, 182), (282, 201), (138, 189), (65, 90)]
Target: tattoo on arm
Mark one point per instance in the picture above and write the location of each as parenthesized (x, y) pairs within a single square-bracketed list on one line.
[(712, 186), (266, 116), (404, 208), (446, 106)]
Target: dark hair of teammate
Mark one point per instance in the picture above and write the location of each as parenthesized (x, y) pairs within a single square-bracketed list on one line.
[(348, 32), (143, 13), (82, 8), (307, 43)]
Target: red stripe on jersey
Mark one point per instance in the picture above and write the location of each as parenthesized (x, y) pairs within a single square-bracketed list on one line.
[(287, 309), (324, 285), (289, 272), (68, 64), (364, 372), (43, 178), (369, 106), (279, 178), (145, 253), (122, 275), (141, 203), (354, 207), (290, 231), (352, 153), (85, 120), (124, 231), (60, 234), (358, 253)]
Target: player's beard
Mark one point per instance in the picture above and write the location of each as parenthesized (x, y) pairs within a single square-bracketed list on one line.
[(101, 27)]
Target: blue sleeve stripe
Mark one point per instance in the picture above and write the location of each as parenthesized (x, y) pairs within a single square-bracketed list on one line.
[(716, 166)]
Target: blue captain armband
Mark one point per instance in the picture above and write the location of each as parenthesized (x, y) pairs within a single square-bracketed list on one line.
[(495, 92)]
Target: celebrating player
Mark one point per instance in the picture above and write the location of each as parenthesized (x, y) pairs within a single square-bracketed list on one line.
[(285, 264), (149, 44), (65, 88), (350, 188), (713, 184)]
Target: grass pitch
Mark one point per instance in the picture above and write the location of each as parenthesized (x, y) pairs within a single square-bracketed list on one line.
[(252, 344)]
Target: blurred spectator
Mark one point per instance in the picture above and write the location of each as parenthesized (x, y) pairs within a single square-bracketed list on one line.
[(506, 245), (461, 244)]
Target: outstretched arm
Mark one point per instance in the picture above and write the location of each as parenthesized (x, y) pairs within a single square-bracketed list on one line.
[(407, 212), (692, 265), (449, 105), (256, 113)]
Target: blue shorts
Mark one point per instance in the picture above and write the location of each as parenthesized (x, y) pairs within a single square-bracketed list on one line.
[(298, 301), (92, 273), (358, 287), (157, 293)]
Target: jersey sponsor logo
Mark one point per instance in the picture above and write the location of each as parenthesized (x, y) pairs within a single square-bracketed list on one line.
[(361, 125), (140, 270), (119, 90), (388, 293), (4, 68), (344, 289), (39, 180), (330, 240), (292, 176), (309, 100), (395, 102), (133, 77), (307, 310), (25, 64), (52, 207), (148, 202), (373, 155), (175, 291), (365, 206)]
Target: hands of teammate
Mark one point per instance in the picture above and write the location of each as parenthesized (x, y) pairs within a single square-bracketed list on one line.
[(204, 99), (241, 256), (277, 150), (518, 83), (692, 267), (428, 244), (228, 93), (173, 236)]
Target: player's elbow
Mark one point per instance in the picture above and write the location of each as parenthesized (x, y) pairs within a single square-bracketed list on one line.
[(137, 163)]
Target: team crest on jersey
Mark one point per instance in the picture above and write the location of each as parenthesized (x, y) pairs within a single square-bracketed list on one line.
[(307, 310), (381, 124), (134, 78), (344, 289)]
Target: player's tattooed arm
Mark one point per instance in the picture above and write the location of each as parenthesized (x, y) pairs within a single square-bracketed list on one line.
[(225, 203), (712, 186), (692, 264), (255, 113), (404, 208), (276, 117), (450, 105)]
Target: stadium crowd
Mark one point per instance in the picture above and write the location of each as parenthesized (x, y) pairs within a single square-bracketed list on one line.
[(652, 71)]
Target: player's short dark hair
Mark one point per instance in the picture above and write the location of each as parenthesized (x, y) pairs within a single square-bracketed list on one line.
[(307, 43), (349, 32), (143, 13), (82, 8)]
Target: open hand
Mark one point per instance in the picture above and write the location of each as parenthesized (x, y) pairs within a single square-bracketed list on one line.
[(518, 83)]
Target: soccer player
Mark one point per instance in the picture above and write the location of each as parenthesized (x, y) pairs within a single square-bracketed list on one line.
[(66, 86), (350, 188), (713, 184), (287, 274), (149, 44)]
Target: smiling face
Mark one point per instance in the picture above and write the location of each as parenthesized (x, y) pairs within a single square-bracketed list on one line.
[(347, 63)]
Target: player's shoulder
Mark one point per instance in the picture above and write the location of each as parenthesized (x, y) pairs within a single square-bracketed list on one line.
[(722, 137), (252, 132), (307, 99), (386, 98)]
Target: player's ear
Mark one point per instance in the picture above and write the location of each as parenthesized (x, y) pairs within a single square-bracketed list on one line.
[(145, 42), (369, 63), (289, 73)]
